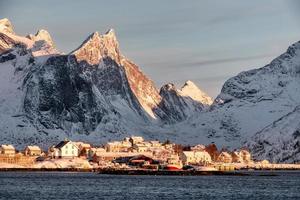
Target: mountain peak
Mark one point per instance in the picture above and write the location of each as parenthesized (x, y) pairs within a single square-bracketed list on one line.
[(168, 87), (190, 89), (96, 47), (6, 25), (111, 33), (189, 83), (42, 35)]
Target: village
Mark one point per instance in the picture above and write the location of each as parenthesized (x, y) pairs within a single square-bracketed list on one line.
[(132, 153)]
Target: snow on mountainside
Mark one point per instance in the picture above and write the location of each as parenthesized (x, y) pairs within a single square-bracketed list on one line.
[(280, 141), (189, 89), (93, 94), (249, 102), (184, 103)]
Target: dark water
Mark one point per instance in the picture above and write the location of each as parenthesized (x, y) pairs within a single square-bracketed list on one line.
[(34, 185)]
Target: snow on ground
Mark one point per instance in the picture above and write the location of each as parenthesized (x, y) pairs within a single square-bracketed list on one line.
[(63, 163)]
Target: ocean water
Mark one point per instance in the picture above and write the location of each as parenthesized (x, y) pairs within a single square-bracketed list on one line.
[(61, 185)]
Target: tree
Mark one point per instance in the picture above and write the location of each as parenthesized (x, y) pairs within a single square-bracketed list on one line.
[(178, 148), (212, 150)]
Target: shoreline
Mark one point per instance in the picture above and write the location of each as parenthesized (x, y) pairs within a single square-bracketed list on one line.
[(142, 172)]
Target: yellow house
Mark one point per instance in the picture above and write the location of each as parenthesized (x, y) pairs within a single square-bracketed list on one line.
[(32, 151), (7, 149), (224, 157)]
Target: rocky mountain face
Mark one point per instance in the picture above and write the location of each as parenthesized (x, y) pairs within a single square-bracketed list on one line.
[(94, 93), (183, 103)]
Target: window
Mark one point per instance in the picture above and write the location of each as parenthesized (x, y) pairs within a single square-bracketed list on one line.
[(66, 151), (73, 152)]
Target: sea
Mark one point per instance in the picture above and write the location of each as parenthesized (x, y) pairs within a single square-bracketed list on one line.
[(82, 185)]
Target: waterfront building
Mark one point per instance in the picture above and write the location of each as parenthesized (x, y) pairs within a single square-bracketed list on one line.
[(7, 149), (245, 155), (195, 157), (65, 149), (83, 148), (224, 157), (236, 157), (32, 151)]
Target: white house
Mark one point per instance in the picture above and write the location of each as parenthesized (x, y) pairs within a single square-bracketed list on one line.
[(65, 149), (195, 157)]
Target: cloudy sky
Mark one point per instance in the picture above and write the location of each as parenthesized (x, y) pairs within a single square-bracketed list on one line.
[(206, 41)]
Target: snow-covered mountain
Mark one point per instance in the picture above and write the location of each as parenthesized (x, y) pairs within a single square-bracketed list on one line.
[(249, 102), (183, 103), (96, 94), (280, 141)]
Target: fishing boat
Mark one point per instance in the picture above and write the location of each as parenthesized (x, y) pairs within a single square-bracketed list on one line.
[(173, 164)]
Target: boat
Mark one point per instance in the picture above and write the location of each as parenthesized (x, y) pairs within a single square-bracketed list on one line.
[(173, 167), (173, 163)]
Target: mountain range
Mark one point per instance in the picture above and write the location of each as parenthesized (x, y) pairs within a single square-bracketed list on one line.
[(96, 94)]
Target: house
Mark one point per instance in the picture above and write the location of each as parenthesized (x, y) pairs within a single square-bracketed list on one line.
[(161, 154), (155, 143), (136, 139), (83, 148), (168, 146), (32, 151), (94, 151), (236, 157), (224, 157), (118, 146), (198, 147), (195, 157), (140, 147), (65, 149), (246, 156), (7, 149)]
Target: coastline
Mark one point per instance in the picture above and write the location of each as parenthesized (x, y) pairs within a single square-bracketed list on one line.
[(110, 171)]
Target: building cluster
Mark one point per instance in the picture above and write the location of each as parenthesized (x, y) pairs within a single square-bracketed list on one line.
[(9, 150), (134, 151)]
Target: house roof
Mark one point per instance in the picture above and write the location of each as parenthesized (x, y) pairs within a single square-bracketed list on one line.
[(63, 143), (188, 153), (225, 154), (34, 148), (8, 147)]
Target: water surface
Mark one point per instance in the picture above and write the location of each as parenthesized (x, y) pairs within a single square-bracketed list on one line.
[(61, 185)]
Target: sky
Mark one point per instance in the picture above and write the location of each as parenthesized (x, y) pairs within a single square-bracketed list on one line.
[(206, 41)]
